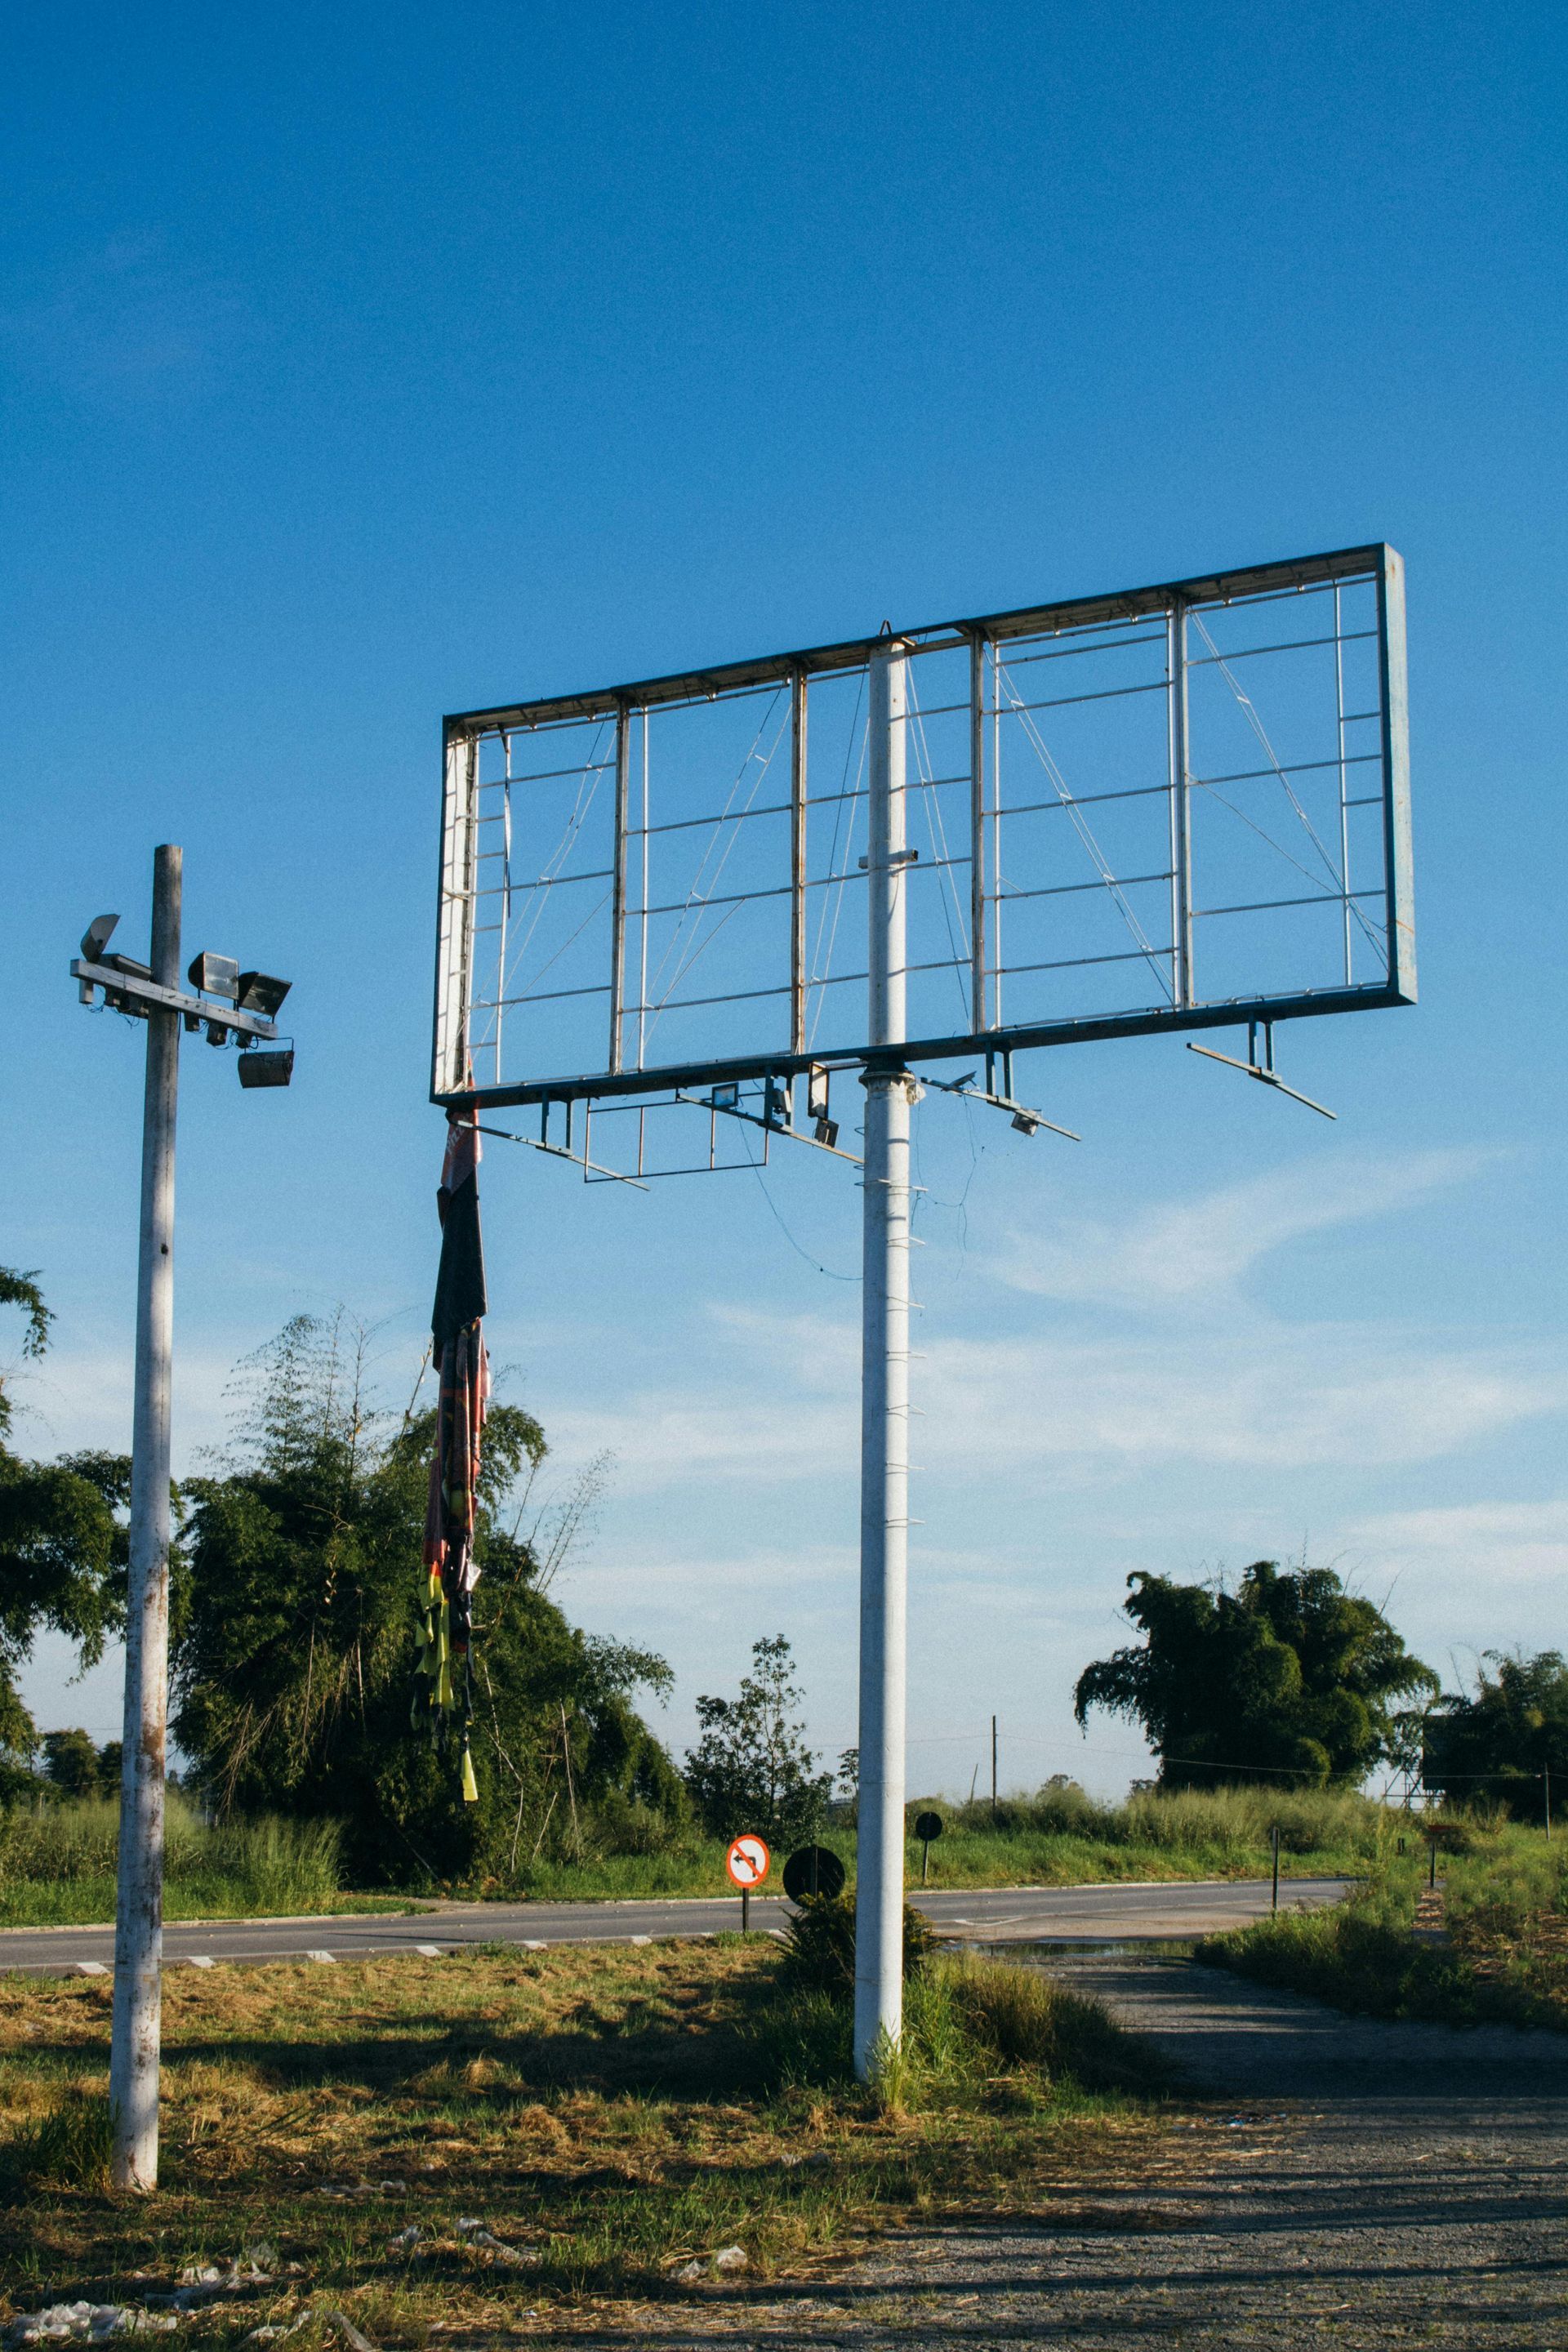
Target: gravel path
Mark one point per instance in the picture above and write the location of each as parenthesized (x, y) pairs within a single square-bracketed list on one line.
[(1356, 2185)]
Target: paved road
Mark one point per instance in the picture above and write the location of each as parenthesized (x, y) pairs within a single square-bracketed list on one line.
[(1144, 1913)]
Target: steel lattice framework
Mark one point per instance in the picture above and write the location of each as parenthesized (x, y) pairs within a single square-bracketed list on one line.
[(1172, 808)]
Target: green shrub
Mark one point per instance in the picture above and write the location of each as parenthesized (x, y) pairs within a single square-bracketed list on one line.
[(820, 1947)]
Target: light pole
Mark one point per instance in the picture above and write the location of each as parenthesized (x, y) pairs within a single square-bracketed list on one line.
[(228, 1003)]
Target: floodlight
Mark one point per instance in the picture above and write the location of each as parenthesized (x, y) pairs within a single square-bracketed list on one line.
[(260, 994), (816, 1092), (726, 1098), (1026, 1122), (214, 975), (97, 935), (216, 1034), (266, 1069), (780, 1110), (826, 1131)]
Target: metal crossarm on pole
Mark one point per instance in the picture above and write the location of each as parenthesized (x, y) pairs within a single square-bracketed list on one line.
[(884, 1412)]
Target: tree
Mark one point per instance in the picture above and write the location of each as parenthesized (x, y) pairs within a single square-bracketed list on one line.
[(293, 1662), (1508, 1741), (71, 1764), (62, 1542), (1289, 1676), (752, 1769)]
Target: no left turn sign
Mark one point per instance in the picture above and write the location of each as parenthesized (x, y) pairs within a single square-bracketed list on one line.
[(747, 1861)]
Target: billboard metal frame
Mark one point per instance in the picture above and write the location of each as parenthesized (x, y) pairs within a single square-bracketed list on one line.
[(464, 732), (884, 1049)]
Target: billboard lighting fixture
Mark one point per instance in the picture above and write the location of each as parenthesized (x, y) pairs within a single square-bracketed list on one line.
[(1026, 1122), (726, 1098), (260, 993), (264, 1067), (97, 935), (214, 975), (826, 1131)]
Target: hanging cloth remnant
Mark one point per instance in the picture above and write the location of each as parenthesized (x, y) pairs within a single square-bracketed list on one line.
[(444, 1687)]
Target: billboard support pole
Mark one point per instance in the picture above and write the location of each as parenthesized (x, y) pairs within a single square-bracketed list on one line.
[(884, 1410), (134, 2061)]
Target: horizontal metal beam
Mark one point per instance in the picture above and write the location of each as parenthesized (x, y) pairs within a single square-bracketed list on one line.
[(1025, 621), (1158, 1021), (171, 1000)]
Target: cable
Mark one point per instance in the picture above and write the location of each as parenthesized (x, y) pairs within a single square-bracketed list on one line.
[(756, 1170)]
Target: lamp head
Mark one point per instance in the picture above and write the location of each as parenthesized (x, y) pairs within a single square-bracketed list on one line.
[(214, 975), (260, 994)]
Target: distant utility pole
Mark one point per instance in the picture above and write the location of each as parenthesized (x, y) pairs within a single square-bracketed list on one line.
[(230, 1002), (994, 1764)]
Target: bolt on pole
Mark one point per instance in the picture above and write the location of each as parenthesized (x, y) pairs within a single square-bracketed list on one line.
[(139, 1913), (884, 1410)]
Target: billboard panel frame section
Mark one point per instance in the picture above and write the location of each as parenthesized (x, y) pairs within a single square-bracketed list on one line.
[(453, 1081)]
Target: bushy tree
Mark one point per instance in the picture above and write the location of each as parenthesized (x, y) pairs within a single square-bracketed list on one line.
[(293, 1664), (1506, 1740), (71, 1764), (62, 1544), (1288, 1675), (751, 1768)]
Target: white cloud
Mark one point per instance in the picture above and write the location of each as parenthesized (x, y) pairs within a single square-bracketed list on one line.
[(776, 1399), (1204, 1247), (1481, 1546), (1271, 1395)]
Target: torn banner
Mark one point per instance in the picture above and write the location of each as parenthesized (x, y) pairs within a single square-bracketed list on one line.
[(443, 1690)]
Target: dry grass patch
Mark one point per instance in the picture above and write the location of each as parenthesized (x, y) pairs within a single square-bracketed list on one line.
[(605, 2117)]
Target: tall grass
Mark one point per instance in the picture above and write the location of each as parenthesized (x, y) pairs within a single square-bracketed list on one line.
[(1504, 1955), (971, 2024), (58, 1863)]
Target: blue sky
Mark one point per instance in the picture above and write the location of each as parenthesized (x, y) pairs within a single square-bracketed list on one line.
[(359, 366)]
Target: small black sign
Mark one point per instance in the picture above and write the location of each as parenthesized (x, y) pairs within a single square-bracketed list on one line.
[(928, 1826), (813, 1869)]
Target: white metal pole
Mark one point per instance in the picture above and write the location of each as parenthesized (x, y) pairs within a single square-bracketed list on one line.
[(139, 1916), (884, 1412)]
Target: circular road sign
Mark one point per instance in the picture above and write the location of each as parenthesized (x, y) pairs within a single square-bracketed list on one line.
[(747, 1861), (928, 1826), (813, 1869)]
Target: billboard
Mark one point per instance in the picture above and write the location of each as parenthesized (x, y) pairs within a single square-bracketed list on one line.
[(1172, 808)]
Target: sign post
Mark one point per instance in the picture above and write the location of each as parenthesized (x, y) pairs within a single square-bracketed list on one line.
[(747, 1863)]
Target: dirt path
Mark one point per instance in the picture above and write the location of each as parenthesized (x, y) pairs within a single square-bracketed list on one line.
[(1373, 2185)]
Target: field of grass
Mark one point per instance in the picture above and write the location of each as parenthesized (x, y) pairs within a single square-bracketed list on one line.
[(57, 1863), (606, 2119), (1504, 1905)]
